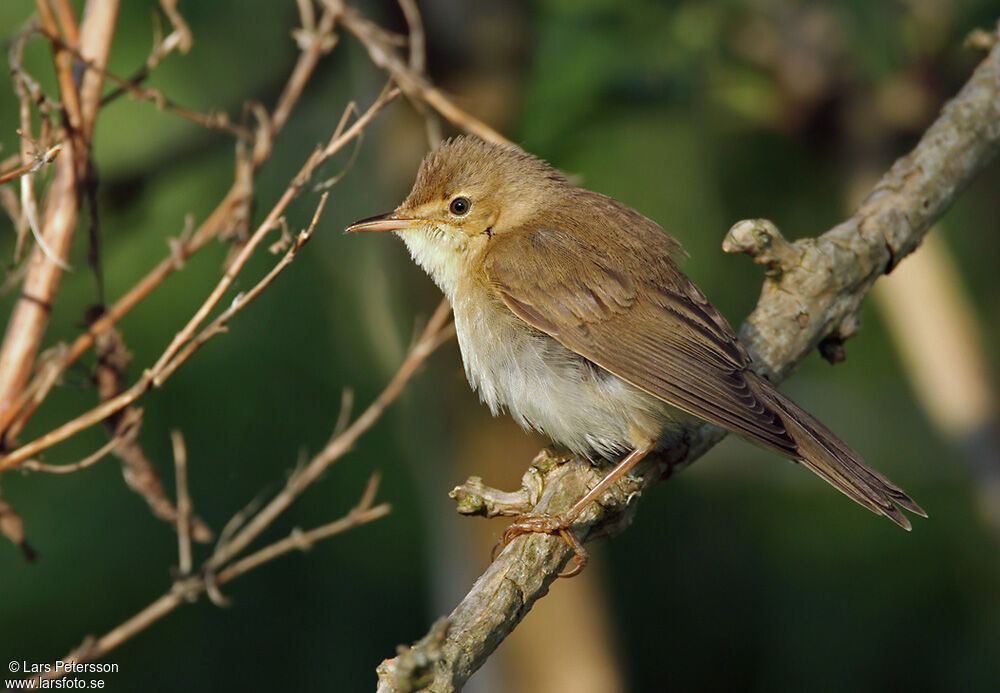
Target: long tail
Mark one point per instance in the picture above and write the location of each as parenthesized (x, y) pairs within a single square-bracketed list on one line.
[(830, 458)]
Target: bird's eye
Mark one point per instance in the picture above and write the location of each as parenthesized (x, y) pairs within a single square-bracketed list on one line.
[(460, 206)]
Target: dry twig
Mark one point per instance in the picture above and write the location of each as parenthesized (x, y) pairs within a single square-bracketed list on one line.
[(176, 352), (226, 215), (223, 565), (12, 527), (41, 160), (30, 317), (184, 561), (187, 589), (382, 52), (214, 120)]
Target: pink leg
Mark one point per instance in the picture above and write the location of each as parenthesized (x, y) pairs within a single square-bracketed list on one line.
[(550, 524)]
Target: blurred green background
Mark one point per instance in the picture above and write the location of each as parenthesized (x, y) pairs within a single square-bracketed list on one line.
[(742, 573)]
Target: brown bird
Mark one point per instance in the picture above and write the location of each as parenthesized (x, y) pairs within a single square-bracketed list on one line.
[(572, 315)]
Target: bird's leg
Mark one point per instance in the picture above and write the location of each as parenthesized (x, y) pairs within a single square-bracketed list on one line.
[(561, 524)]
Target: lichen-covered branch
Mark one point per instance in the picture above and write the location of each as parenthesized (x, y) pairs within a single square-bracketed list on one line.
[(810, 298)]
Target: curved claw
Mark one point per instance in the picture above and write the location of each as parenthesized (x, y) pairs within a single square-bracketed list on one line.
[(544, 524), (580, 555)]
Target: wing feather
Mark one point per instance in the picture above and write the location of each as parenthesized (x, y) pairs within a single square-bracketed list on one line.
[(628, 308)]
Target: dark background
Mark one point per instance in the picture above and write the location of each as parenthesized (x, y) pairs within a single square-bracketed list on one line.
[(742, 573)]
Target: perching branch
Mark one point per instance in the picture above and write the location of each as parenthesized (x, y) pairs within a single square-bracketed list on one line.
[(810, 298)]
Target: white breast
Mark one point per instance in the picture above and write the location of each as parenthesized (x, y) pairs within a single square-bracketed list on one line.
[(517, 368), (547, 387)]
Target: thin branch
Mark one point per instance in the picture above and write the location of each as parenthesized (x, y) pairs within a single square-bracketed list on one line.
[(156, 375), (30, 317), (802, 303), (12, 527), (188, 589), (269, 223), (415, 85), (222, 566), (64, 67), (303, 541), (214, 120), (314, 42), (27, 92), (181, 28), (183, 504), (139, 473), (232, 205), (180, 39), (242, 300), (41, 160), (340, 444), (418, 63), (96, 37), (127, 432), (67, 22)]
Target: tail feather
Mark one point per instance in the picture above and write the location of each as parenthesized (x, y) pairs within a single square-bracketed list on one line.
[(832, 460)]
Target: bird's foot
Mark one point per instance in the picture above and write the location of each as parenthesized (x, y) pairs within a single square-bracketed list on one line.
[(542, 523)]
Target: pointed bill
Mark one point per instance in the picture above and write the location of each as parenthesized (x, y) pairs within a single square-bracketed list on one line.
[(381, 222)]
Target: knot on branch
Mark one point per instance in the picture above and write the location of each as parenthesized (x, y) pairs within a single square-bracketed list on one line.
[(412, 669), (983, 40), (762, 241), (831, 347), (476, 498), (553, 482), (311, 39)]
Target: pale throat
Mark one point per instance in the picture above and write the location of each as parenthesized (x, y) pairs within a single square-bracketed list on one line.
[(441, 255)]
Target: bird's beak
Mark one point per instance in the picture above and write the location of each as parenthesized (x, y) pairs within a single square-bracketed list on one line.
[(382, 222)]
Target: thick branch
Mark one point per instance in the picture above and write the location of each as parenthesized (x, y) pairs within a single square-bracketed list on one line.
[(812, 294)]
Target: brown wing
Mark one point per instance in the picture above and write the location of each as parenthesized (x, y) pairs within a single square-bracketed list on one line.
[(625, 305)]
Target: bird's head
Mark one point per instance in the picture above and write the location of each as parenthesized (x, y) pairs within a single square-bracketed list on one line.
[(467, 193)]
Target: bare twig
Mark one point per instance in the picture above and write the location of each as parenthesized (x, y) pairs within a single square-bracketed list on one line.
[(138, 471), (802, 303), (12, 527), (418, 63), (242, 300), (26, 216), (156, 375), (43, 159), (30, 317), (222, 566), (270, 222), (314, 42), (181, 28), (95, 46), (214, 120), (340, 444), (415, 85), (183, 504), (303, 541), (64, 67), (67, 22), (231, 206), (189, 588), (127, 431), (179, 39)]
